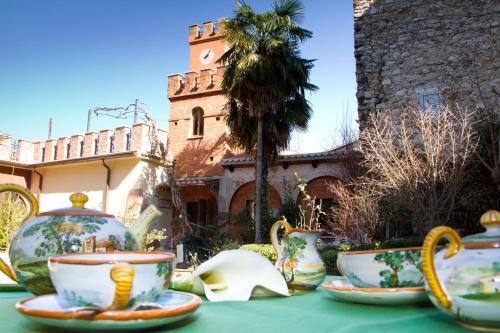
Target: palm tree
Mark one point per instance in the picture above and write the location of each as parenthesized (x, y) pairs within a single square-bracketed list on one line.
[(265, 81)]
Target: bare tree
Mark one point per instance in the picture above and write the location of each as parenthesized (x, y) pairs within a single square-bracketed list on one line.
[(415, 161), (345, 133), (356, 215), (420, 159)]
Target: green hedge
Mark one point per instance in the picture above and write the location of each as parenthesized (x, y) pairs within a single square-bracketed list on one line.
[(329, 256), (266, 250)]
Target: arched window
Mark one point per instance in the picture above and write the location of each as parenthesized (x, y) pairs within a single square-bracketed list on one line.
[(197, 122)]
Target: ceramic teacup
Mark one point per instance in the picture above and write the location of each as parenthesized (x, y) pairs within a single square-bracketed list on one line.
[(387, 268), (110, 280)]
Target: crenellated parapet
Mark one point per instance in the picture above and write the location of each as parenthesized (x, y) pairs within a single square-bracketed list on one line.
[(205, 81), (120, 140), (206, 32)]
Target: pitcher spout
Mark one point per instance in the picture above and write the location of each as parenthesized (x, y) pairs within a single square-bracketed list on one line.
[(141, 226)]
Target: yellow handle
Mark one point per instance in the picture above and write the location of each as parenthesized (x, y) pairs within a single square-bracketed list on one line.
[(274, 234), (24, 192), (123, 276), (430, 242), (33, 210)]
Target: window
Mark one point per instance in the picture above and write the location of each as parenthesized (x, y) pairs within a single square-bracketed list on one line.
[(429, 99), (43, 154), (55, 152), (68, 150), (197, 122)]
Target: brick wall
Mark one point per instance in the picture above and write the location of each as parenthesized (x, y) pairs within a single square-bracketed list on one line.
[(105, 141), (121, 138), (62, 148), (50, 146), (75, 149), (25, 151), (5, 148), (198, 156), (89, 144), (318, 187)]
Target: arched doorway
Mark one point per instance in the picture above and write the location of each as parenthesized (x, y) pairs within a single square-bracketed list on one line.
[(242, 206), (200, 204), (320, 191)]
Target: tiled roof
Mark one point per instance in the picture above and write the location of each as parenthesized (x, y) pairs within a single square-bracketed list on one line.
[(195, 180), (347, 150)]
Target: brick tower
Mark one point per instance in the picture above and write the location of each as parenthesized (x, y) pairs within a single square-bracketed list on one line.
[(197, 131)]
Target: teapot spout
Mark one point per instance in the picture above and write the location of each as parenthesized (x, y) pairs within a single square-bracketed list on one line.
[(141, 226)]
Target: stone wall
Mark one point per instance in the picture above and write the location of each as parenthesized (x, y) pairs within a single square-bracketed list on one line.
[(426, 53)]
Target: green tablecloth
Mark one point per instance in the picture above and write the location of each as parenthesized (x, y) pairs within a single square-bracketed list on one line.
[(310, 312)]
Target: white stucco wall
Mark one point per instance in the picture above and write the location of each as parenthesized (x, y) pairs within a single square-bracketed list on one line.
[(90, 178)]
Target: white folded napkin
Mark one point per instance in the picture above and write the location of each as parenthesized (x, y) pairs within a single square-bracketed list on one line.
[(234, 275)]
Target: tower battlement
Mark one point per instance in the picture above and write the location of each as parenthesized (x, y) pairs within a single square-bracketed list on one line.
[(207, 31), (204, 81)]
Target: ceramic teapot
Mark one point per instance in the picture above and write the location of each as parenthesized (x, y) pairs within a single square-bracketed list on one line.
[(66, 230), (463, 279), (298, 259)]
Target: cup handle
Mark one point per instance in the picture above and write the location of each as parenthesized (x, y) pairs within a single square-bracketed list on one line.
[(123, 275), (429, 247), (274, 234), (33, 210)]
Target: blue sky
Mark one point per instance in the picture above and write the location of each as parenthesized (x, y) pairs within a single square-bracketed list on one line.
[(59, 58)]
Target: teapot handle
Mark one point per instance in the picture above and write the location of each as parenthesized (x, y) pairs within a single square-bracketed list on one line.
[(123, 275), (33, 210), (26, 194), (429, 247), (274, 234)]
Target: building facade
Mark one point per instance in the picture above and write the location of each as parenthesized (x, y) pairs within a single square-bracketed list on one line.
[(426, 53), (114, 168), (215, 180)]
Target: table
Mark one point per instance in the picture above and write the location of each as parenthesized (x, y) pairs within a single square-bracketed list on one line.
[(309, 312)]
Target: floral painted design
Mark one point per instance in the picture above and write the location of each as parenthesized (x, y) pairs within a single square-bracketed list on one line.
[(162, 268), (144, 296), (76, 300), (396, 261)]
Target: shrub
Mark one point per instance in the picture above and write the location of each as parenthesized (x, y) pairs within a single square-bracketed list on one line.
[(222, 243), (397, 243), (12, 211), (329, 256), (266, 250)]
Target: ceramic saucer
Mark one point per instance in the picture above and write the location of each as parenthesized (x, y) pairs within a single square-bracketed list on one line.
[(47, 310), (344, 290)]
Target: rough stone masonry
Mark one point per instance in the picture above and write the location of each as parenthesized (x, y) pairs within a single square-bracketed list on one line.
[(426, 53)]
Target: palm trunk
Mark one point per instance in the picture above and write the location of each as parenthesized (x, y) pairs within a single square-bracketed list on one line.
[(258, 180)]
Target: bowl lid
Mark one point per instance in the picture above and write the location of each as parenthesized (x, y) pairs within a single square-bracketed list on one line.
[(491, 221), (78, 200)]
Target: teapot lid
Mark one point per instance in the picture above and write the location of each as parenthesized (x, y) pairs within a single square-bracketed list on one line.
[(78, 200), (491, 221)]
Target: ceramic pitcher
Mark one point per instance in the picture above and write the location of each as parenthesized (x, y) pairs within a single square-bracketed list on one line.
[(298, 259)]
